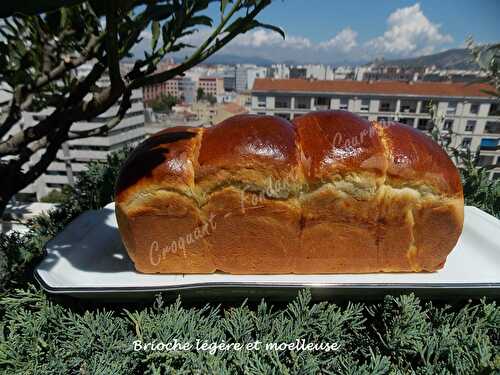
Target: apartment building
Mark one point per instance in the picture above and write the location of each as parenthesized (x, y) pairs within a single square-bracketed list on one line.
[(211, 114), (5, 97), (183, 88), (472, 114), (212, 85), (74, 155), (254, 73)]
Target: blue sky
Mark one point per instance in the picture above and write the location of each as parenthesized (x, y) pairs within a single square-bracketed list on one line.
[(358, 30), (316, 19)]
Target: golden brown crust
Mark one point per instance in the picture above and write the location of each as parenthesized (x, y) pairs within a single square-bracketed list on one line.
[(328, 193), (248, 149), (416, 159), (162, 161), (339, 142)]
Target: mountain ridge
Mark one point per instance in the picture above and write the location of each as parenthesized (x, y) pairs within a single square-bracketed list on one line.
[(456, 58)]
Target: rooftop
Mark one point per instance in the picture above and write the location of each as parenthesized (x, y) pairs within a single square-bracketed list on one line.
[(376, 87), (234, 108)]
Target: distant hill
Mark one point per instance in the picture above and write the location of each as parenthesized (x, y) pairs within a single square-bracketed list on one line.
[(458, 58), (228, 59)]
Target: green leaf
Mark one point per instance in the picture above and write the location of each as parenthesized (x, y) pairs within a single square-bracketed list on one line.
[(179, 46), (279, 30), (161, 12), (199, 20), (223, 5), (155, 32), (8, 8), (242, 25)]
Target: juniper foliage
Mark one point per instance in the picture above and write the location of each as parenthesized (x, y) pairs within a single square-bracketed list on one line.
[(396, 336)]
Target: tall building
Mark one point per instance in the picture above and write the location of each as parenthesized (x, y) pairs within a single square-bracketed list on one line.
[(5, 97), (74, 155), (229, 83), (241, 74), (280, 71), (253, 73), (472, 114)]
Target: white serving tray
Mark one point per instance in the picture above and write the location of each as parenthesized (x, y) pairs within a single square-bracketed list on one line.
[(88, 260)]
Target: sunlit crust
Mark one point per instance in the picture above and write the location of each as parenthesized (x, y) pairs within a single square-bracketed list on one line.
[(260, 195)]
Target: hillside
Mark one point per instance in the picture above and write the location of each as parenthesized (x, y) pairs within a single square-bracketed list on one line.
[(459, 58)]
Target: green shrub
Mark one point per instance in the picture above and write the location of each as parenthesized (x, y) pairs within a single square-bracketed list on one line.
[(396, 336), (479, 190), (93, 190)]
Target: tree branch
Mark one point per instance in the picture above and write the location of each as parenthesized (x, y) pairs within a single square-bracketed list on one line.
[(22, 97), (122, 111), (12, 118), (204, 50), (53, 142), (112, 45), (69, 111), (67, 64)]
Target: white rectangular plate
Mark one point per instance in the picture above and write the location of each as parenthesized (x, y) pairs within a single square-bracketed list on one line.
[(88, 260)]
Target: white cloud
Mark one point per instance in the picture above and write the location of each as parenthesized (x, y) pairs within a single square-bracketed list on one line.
[(409, 33), (263, 37), (345, 41)]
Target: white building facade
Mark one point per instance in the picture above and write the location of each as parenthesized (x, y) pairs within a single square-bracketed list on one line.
[(473, 115), (73, 157)]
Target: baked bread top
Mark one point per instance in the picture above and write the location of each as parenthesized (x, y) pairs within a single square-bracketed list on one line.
[(316, 148)]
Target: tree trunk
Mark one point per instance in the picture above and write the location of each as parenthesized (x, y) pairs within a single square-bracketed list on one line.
[(3, 205), (10, 178)]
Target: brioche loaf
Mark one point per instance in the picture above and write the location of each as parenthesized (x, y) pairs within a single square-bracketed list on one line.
[(327, 193)]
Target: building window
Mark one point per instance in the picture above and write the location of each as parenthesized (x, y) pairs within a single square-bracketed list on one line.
[(344, 104), (283, 115), (261, 101), (466, 142), (322, 102), (55, 186), (407, 121), (494, 110), (426, 106), (452, 108), (448, 125), (492, 127), (424, 124), (484, 160), (282, 102), (55, 173), (489, 143), (387, 106), (474, 108), (408, 106), (384, 119), (302, 102), (470, 126), (365, 105)]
